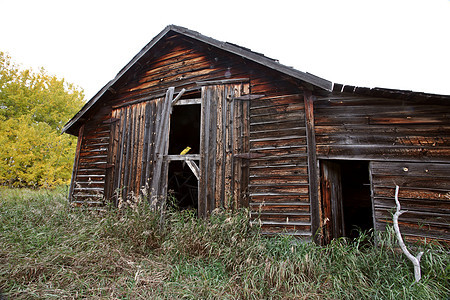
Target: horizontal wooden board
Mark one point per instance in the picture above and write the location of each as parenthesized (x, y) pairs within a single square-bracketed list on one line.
[(278, 179), (412, 193), (258, 198), (278, 142), (412, 169), (376, 152), (282, 217), (410, 181), (421, 218)]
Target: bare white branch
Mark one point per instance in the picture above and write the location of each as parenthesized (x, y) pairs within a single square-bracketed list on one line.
[(415, 260)]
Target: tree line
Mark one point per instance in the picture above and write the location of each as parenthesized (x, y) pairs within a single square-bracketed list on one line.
[(34, 106)]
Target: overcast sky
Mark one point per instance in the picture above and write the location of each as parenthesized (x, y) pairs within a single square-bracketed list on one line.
[(373, 43)]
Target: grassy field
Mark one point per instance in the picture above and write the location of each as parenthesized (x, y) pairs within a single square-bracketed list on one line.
[(50, 251)]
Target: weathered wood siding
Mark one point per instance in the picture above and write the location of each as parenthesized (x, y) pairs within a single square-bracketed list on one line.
[(279, 183), (424, 193), (88, 180), (132, 152), (363, 127), (224, 137), (407, 142), (277, 192)]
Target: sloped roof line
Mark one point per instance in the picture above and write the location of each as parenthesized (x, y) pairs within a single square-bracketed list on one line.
[(229, 47)]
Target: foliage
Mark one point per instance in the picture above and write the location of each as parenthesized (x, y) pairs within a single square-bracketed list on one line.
[(33, 109), (50, 251)]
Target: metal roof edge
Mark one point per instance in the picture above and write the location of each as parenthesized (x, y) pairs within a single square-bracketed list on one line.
[(384, 92)]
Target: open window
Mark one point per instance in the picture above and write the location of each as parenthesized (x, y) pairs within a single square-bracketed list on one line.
[(346, 203)]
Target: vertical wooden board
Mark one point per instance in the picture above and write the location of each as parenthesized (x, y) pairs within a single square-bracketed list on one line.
[(115, 154), (134, 180), (140, 143), (228, 94), (237, 146), (109, 176), (212, 144), (203, 152), (121, 152), (145, 139), (312, 160), (245, 132), (128, 155), (219, 195), (152, 140), (150, 159), (220, 177), (162, 140)]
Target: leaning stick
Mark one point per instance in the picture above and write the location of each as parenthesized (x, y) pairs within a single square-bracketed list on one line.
[(415, 260)]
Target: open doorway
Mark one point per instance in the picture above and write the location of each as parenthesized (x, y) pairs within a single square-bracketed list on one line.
[(182, 187), (346, 199), (184, 142)]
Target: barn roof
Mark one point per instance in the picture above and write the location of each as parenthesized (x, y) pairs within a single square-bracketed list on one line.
[(232, 48), (255, 57)]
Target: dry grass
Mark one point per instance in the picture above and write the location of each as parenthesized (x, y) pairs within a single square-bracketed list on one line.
[(50, 251)]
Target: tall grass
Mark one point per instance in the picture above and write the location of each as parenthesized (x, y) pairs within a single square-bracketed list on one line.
[(48, 250)]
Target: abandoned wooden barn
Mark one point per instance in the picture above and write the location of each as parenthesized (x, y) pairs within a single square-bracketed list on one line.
[(308, 158)]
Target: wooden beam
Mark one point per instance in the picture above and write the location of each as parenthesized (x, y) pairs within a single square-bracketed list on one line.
[(174, 101), (189, 101), (194, 168), (249, 97), (312, 163), (183, 157), (225, 81)]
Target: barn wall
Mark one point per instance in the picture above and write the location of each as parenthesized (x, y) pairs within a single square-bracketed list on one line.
[(278, 189), (279, 186), (407, 142), (132, 153), (424, 193), (89, 174), (362, 127)]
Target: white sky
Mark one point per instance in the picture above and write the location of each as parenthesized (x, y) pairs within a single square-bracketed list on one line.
[(400, 44)]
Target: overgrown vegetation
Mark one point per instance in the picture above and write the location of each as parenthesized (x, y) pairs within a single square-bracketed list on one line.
[(48, 250), (34, 107)]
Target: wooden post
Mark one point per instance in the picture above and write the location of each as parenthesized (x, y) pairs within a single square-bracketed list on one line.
[(312, 163)]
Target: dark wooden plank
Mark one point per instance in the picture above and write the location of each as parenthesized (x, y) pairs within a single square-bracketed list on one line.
[(224, 81), (211, 151), (384, 152), (312, 160), (412, 169), (204, 146), (220, 151)]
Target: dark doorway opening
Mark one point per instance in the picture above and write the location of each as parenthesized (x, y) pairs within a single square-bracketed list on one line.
[(182, 184), (346, 198), (185, 129), (182, 187)]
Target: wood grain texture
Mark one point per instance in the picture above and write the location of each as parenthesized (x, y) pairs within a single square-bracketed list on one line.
[(424, 194)]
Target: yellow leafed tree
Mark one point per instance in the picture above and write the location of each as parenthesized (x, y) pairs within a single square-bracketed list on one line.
[(33, 109)]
